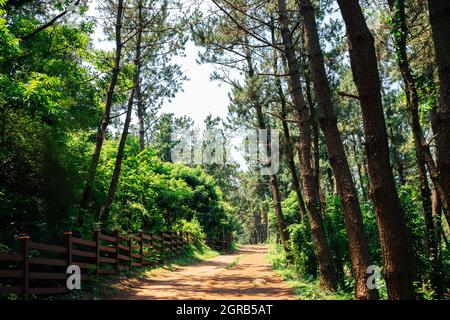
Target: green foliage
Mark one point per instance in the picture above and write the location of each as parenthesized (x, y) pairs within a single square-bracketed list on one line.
[(411, 203), (338, 240), (304, 288), (194, 228), (304, 260), (153, 195)]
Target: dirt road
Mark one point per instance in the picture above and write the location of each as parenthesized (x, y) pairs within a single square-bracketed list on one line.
[(244, 275)]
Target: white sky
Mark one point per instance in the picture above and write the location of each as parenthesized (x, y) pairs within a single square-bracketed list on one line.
[(200, 96)]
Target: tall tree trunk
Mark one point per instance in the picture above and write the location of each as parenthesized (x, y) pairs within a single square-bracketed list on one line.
[(361, 170), (440, 26), (287, 135), (314, 126), (398, 257), (101, 135), (118, 165), (326, 266), (437, 187), (266, 222), (436, 211), (358, 249), (273, 181), (140, 113), (437, 217), (400, 31)]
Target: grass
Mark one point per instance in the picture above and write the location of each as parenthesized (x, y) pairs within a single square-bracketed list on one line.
[(304, 289), (233, 264), (192, 255), (234, 247)]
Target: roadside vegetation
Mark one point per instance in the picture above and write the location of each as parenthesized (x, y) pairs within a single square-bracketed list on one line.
[(304, 288)]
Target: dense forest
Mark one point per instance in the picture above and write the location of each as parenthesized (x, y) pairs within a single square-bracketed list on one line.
[(359, 92)]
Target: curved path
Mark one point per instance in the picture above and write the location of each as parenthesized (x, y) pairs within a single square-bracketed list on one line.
[(244, 275)]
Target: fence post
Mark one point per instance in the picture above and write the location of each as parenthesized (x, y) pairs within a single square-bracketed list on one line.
[(172, 245), (97, 250), (161, 254), (152, 242), (25, 264), (116, 235), (181, 240), (141, 249), (68, 236), (130, 247), (151, 246)]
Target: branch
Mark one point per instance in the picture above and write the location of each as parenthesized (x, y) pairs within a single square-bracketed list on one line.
[(348, 95), (281, 118), (245, 29), (117, 115), (273, 75), (50, 23)]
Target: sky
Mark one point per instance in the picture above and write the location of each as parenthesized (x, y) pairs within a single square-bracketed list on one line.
[(200, 96)]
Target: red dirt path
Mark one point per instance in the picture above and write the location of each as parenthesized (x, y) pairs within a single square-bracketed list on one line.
[(244, 275)]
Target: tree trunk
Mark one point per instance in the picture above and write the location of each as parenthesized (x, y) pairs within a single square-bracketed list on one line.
[(400, 32), (436, 211), (398, 257), (437, 187), (101, 135), (440, 26), (358, 249), (118, 165), (287, 136), (140, 113), (315, 129), (327, 271), (273, 181), (361, 170)]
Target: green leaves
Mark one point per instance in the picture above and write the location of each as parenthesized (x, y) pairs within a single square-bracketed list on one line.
[(153, 195)]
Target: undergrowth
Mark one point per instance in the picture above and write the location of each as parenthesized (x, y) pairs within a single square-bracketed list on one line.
[(304, 289)]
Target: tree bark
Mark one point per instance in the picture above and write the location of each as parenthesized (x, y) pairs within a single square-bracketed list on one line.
[(273, 181), (400, 31), (327, 271), (361, 170), (440, 26), (287, 135), (358, 248), (437, 187), (101, 135), (140, 113), (118, 165), (398, 257)]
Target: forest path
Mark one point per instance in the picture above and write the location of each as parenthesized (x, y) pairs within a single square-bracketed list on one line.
[(243, 275)]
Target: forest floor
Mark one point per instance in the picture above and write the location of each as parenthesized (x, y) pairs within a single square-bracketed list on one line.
[(246, 274)]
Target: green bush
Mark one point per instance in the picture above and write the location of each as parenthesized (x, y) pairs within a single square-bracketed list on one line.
[(194, 228)]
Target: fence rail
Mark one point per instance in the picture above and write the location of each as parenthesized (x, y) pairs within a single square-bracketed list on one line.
[(40, 268)]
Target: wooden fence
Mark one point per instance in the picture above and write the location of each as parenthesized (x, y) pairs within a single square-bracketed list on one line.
[(40, 268)]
